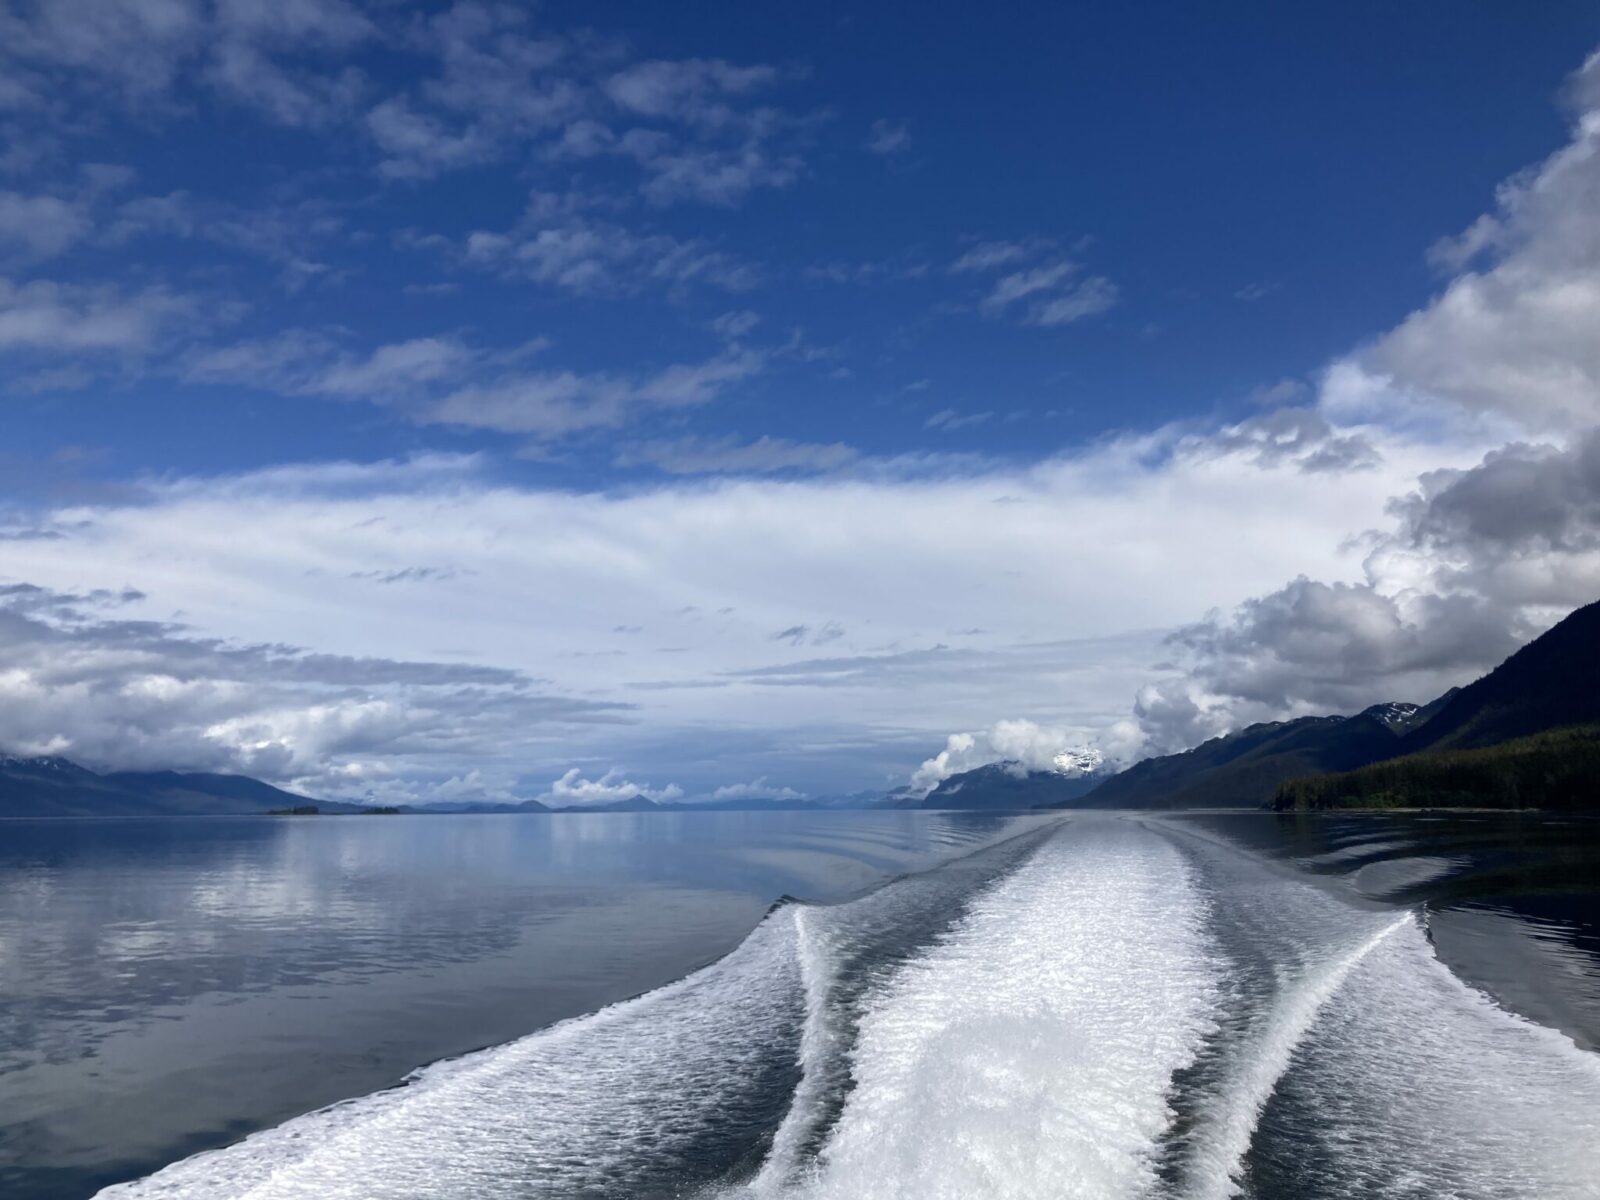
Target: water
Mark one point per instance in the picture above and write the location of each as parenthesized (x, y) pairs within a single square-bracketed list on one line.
[(956, 1005)]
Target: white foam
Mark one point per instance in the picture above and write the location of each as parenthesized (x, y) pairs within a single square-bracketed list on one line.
[(819, 1053), (565, 1112), (1031, 1052), (1420, 1086), (1224, 1130)]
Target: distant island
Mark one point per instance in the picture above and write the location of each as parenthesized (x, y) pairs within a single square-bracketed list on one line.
[(313, 810)]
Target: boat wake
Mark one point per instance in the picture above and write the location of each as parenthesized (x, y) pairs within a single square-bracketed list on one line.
[(1108, 1009)]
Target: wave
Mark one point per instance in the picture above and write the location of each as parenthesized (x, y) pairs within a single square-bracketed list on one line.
[(642, 1098), (1107, 1008), (1417, 1085), (1030, 1052)]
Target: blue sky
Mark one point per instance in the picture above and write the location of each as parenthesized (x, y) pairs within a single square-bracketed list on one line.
[(759, 338)]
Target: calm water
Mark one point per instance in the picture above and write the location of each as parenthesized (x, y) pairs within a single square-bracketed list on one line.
[(948, 1005), (170, 985)]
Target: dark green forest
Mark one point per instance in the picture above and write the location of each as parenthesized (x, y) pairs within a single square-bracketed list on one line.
[(1556, 769)]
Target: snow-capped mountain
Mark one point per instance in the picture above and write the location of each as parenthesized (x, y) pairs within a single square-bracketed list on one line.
[(1080, 760), (1395, 715)]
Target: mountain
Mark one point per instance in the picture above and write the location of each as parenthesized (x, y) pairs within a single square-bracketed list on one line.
[(1010, 785), (1553, 681), (1559, 768), (638, 802), (57, 787), (1246, 767), (1526, 735)]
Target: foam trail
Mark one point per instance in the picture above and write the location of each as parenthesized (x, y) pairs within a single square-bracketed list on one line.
[(1224, 1132), (1030, 1052), (633, 1091), (1416, 1085), (820, 1060)]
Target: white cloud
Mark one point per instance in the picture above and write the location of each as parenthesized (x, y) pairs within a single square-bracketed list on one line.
[(1049, 293), (547, 404), (43, 315), (573, 789), (445, 381), (1032, 747), (889, 138), (40, 226), (689, 89), (1087, 298), (1476, 557), (85, 675), (729, 455), (1517, 337), (950, 420), (553, 245), (756, 789), (886, 570), (987, 256)]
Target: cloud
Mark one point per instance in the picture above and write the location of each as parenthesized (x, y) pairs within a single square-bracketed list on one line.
[(548, 404), (987, 256), (721, 176), (40, 226), (419, 145), (687, 90), (877, 563), (1302, 436), (1054, 292), (142, 48), (81, 677), (889, 138), (756, 789), (44, 315), (445, 381), (1251, 292), (735, 326), (950, 420), (1030, 746), (732, 456), (553, 245), (1516, 337), (809, 635), (479, 86), (573, 789), (1474, 559), (1087, 298)]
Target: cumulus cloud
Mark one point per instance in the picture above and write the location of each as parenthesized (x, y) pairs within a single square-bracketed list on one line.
[(82, 675), (143, 49), (756, 789), (1301, 436), (878, 564), (46, 316), (1473, 559), (1516, 336), (573, 789), (40, 226), (1029, 746)]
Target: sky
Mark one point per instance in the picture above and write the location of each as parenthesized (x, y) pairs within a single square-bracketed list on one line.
[(496, 402)]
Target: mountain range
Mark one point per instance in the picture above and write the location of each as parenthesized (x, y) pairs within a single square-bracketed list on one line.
[(1552, 683)]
